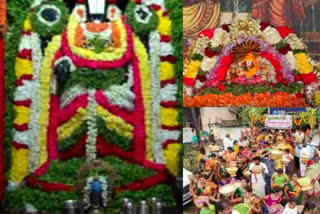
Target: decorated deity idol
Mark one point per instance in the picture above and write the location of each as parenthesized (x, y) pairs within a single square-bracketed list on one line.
[(96, 84)]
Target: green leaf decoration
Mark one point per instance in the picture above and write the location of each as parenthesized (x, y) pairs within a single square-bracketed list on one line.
[(140, 27), (44, 28)]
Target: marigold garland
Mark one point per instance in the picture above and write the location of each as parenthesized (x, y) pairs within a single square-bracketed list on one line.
[(279, 99)]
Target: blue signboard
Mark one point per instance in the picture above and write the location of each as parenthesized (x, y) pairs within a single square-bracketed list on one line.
[(284, 111)]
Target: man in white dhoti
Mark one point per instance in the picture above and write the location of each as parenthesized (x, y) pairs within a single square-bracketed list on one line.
[(305, 155), (257, 170)]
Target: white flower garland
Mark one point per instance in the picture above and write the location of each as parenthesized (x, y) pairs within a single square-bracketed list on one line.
[(166, 49), (34, 149), (92, 127), (169, 92), (154, 53), (121, 95), (70, 94), (169, 135)]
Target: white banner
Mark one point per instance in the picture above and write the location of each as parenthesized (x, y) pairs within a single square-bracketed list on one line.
[(278, 122)]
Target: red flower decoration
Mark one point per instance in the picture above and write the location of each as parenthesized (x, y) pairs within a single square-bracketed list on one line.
[(207, 33), (309, 78), (297, 77), (284, 31), (188, 81), (264, 25), (221, 87), (285, 50), (221, 71), (225, 27), (201, 78), (209, 53), (299, 95)]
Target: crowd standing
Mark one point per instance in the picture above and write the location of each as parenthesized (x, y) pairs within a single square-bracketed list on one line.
[(265, 172)]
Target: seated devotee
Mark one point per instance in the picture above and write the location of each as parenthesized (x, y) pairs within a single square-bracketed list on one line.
[(279, 179), (272, 202)]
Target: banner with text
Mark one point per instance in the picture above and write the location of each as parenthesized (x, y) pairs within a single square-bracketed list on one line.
[(278, 122)]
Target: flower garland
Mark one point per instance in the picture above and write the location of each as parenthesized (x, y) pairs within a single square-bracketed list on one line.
[(306, 118), (279, 99), (92, 130)]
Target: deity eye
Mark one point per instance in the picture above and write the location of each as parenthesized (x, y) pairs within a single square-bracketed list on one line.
[(49, 18)]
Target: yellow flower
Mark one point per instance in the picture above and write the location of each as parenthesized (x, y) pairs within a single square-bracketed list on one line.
[(169, 116), (45, 83), (166, 71), (303, 64), (173, 153), (19, 165), (115, 123), (23, 115), (192, 69), (73, 124), (23, 67)]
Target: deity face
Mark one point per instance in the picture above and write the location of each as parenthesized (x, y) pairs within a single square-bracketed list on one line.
[(309, 91)]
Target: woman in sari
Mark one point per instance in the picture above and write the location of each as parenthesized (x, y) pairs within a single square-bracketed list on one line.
[(227, 179), (293, 190), (230, 156), (272, 202), (205, 191), (242, 164), (252, 200)]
